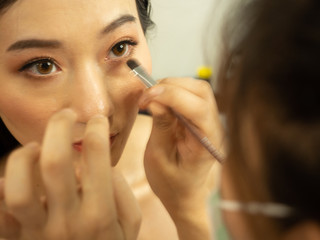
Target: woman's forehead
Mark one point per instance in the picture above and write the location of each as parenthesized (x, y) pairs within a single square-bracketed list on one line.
[(36, 17)]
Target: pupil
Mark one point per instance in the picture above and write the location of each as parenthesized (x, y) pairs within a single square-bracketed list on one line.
[(119, 49), (45, 67)]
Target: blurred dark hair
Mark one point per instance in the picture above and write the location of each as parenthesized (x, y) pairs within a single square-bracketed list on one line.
[(144, 11), (4, 4), (7, 141), (271, 73)]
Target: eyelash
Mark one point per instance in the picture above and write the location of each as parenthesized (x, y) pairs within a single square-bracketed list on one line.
[(130, 47), (36, 61), (130, 51)]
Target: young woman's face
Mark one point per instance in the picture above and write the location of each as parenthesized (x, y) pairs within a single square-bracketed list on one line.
[(70, 54)]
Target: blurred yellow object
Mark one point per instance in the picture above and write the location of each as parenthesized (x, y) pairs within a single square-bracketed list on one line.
[(204, 72)]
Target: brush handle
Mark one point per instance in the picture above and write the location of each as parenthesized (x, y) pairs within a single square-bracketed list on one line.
[(201, 137)]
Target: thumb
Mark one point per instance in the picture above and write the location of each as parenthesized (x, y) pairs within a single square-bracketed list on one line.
[(9, 226)]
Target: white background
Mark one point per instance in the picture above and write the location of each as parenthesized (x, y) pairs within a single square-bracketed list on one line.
[(185, 31)]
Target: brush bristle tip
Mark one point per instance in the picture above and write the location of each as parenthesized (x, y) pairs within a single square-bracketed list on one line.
[(132, 64)]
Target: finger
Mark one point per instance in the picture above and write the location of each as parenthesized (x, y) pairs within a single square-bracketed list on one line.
[(162, 141), (56, 164), (9, 227), (20, 196), (198, 87), (96, 176), (129, 213), (196, 114), (181, 101), (202, 112)]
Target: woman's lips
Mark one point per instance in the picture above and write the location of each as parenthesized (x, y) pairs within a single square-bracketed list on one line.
[(79, 144)]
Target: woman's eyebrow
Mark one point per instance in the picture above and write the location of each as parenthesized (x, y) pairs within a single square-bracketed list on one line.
[(40, 43), (34, 43), (127, 18)]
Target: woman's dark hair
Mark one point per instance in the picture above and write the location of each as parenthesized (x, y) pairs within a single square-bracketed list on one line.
[(144, 11), (7, 141), (271, 74), (4, 4)]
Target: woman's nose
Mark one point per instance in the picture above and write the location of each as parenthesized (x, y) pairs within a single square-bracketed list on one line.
[(90, 95)]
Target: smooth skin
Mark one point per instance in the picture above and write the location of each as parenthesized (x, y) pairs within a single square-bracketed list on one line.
[(111, 214)]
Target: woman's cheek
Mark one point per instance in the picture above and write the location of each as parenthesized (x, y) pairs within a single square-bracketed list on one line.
[(24, 118)]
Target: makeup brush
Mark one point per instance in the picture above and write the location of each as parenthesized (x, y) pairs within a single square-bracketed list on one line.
[(139, 71)]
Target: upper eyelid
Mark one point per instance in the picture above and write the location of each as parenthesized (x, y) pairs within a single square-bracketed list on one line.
[(36, 60), (130, 42), (125, 40), (26, 68)]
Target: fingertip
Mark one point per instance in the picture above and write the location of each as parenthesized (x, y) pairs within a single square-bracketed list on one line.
[(97, 133), (28, 151), (156, 91), (58, 133), (65, 113), (99, 116), (32, 150), (150, 94), (32, 146), (68, 111), (157, 109), (98, 119)]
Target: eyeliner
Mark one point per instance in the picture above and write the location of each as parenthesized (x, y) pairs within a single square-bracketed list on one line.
[(139, 71)]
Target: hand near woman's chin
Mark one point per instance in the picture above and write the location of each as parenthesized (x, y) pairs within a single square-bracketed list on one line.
[(177, 165), (102, 208)]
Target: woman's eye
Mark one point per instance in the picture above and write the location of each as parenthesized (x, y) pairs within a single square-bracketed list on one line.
[(41, 67), (121, 49)]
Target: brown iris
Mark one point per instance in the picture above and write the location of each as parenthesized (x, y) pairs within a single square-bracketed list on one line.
[(119, 49), (44, 67)]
